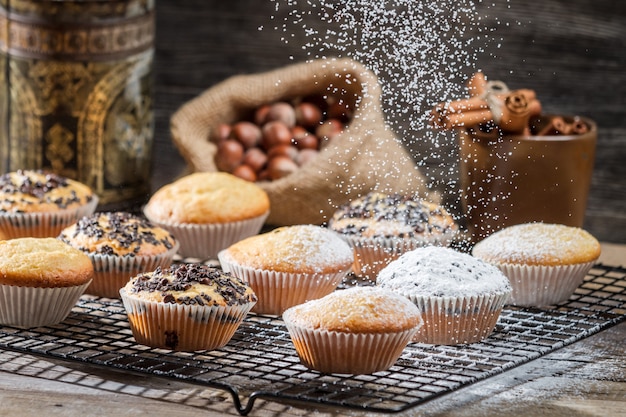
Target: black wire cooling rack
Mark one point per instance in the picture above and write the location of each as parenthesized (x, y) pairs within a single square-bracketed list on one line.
[(260, 360)]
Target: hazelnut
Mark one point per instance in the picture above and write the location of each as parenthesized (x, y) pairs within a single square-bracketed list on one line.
[(287, 150), (303, 139), (275, 133), (255, 158), (308, 115), (329, 129), (229, 155), (245, 172), (260, 115), (247, 133), (283, 112), (221, 132), (280, 166)]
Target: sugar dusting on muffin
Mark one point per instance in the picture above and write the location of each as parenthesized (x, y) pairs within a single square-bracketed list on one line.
[(394, 215), (358, 309), (298, 248), (539, 244), (442, 272)]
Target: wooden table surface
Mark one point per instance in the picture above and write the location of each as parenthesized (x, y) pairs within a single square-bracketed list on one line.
[(586, 378)]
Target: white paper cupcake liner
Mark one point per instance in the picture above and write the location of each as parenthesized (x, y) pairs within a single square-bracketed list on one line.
[(112, 272), (277, 291), (27, 307), (371, 255), (182, 327), (458, 320), (45, 224), (204, 241), (538, 286), (346, 353)]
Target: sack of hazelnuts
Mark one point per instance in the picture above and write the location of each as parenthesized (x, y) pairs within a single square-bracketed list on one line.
[(312, 135)]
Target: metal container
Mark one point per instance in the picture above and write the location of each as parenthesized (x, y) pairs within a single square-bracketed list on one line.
[(76, 93)]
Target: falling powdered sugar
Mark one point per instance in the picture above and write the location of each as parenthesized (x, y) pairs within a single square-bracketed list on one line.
[(442, 272)]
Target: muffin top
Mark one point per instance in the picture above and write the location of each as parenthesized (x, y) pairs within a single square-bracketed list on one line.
[(538, 244), (300, 248), (434, 271), (190, 284), (357, 310), (43, 262), (207, 197), (379, 215), (27, 191), (117, 234)]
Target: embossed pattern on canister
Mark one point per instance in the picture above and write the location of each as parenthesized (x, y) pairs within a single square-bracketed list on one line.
[(76, 78)]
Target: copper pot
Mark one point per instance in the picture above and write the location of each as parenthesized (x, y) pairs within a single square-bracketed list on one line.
[(507, 180)]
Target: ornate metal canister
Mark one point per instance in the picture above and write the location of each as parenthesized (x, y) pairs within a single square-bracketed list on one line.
[(76, 92)]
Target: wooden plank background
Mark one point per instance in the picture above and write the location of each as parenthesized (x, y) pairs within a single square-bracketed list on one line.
[(572, 53)]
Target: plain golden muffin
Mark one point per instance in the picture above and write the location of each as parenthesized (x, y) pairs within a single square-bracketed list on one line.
[(359, 330), (43, 262), (207, 197), (117, 234), (29, 191), (539, 244)]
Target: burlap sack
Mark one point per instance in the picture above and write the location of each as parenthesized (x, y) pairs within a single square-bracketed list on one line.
[(366, 156)]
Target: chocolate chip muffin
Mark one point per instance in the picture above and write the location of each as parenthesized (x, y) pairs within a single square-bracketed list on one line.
[(120, 245), (380, 227), (39, 204), (186, 307)]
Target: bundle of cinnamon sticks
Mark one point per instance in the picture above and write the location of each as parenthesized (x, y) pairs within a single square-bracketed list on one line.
[(492, 104)]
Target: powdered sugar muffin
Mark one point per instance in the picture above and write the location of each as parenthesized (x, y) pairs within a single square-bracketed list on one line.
[(40, 280), (380, 227), (120, 245), (39, 204), (359, 330), (289, 265), (208, 211), (544, 262), (460, 297), (186, 307)]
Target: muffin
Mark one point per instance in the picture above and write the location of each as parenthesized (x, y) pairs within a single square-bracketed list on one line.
[(120, 245), (545, 262), (186, 307), (380, 227), (40, 281), (208, 211), (460, 297), (360, 330), (39, 204), (289, 265)]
